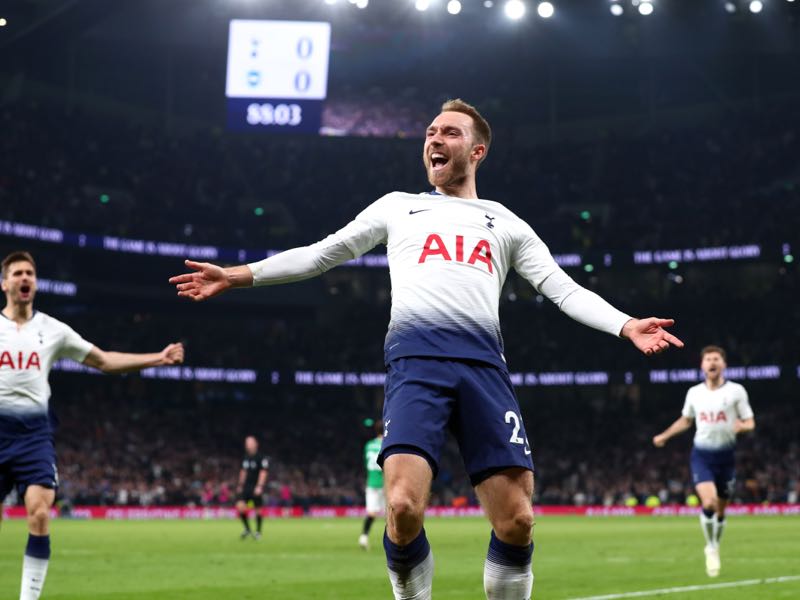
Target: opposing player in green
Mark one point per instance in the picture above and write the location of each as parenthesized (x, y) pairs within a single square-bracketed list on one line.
[(376, 501)]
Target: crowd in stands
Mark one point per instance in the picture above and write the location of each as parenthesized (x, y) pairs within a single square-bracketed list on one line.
[(129, 442), (660, 189)]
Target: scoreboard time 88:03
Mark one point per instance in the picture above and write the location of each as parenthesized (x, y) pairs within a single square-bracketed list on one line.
[(277, 75)]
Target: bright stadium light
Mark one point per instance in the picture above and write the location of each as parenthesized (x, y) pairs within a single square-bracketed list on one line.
[(3, 22), (330, 2), (730, 8), (422, 4), (362, 3), (514, 9), (617, 10), (454, 7), (545, 10), (646, 8), (756, 6), (488, 3)]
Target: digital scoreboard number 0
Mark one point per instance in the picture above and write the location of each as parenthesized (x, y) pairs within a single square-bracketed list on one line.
[(277, 76)]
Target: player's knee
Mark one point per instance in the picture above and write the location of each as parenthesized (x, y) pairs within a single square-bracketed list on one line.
[(405, 507), (711, 503), (406, 512), (516, 527), (39, 517)]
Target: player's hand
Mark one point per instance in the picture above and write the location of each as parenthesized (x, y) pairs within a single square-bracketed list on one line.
[(259, 490), (649, 335), (172, 354), (659, 440), (207, 281)]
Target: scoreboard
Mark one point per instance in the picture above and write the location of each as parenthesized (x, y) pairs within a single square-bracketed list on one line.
[(277, 76)]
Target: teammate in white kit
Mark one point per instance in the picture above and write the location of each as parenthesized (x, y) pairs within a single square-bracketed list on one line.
[(449, 253), (30, 342), (721, 410)]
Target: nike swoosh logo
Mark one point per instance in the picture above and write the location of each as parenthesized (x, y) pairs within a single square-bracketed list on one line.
[(413, 212)]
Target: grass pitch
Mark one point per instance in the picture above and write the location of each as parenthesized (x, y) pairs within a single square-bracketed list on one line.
[(318, 559)]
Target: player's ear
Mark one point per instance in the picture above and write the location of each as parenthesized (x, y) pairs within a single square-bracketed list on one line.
[(478, 151)]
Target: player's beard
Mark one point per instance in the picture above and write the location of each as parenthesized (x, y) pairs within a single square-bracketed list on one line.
[(454, 173)]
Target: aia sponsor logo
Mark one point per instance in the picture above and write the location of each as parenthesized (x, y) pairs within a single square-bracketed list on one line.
[(20, 361), (712, 417), (435, 246)]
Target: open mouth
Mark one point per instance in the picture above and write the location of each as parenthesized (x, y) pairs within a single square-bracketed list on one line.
[(438, 161), (25, 290)]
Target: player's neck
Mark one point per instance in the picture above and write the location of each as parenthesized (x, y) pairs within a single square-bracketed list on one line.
[(715, 383), (19, 313), (463, 189)]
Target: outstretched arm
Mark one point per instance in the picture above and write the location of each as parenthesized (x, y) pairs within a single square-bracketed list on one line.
[(586, 307), (293, 265), (679, 426), (209, 280), (362, 234), (122, 362)]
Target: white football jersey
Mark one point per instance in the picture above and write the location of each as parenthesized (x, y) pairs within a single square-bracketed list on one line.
[(715, 412), (27, 354), (448, 259)]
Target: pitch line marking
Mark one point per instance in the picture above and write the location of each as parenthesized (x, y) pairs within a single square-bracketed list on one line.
[(693, 588)]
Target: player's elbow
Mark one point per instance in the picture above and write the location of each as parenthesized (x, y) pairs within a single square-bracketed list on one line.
[(105, 365), (98, 359)]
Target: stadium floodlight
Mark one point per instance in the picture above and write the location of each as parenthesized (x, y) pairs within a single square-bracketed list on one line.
[(3, 22), (756, 6), (646, 8), (514, 9), (488, 3), (730, 8), (422, 5), (617, 10), (362, 3), (454, 7), (331, 2), (545, 10)]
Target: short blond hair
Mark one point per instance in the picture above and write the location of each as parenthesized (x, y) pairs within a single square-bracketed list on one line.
[(480, 126)]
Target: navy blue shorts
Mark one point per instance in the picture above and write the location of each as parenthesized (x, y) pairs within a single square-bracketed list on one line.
[(426, 396), (27, 460), (718, 466)]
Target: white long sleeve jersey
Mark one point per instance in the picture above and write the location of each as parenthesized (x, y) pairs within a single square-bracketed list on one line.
[(715, 413), (448, 260), (27, 354)]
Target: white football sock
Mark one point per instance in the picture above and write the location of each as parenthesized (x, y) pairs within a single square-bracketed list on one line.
[(416, 583), (707, 525), (503, 582), (507, 571), (719, 527), (34, 571)]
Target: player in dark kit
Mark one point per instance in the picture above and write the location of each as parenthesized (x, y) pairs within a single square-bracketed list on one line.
[(252, 477)]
